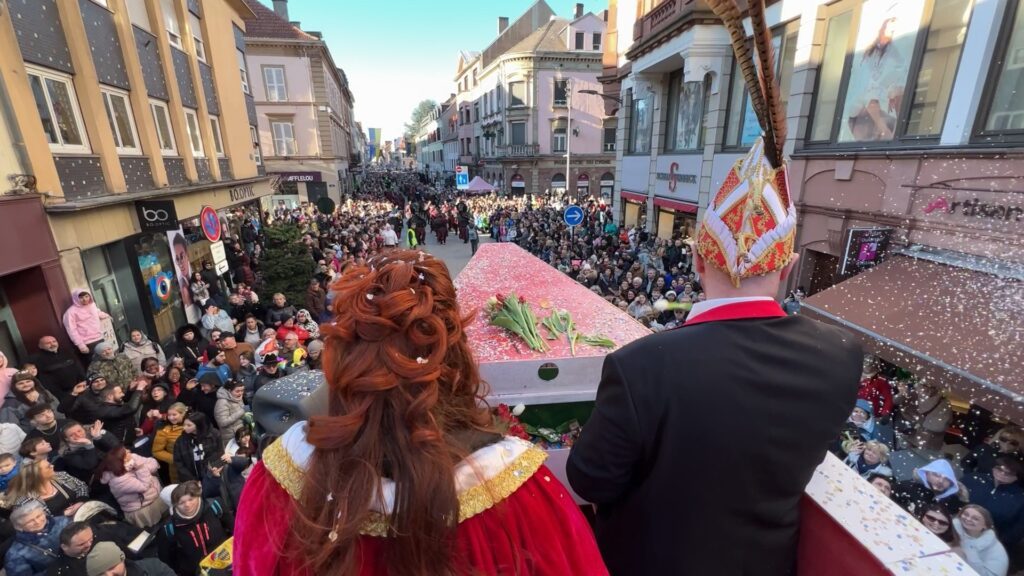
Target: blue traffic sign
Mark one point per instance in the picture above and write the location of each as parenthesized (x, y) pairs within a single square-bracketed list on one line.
[(573, 215)]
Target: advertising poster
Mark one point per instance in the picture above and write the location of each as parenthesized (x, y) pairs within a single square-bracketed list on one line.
[(865, 248), (183, 273), (881, 64), (689, 116)]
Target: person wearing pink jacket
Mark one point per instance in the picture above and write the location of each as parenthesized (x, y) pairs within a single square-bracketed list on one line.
[(82, 320), (134, 483)]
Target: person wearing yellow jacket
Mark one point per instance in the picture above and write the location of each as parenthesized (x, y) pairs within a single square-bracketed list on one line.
[(167, 435)]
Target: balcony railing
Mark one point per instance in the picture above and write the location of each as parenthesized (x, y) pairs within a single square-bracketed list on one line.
[(660, 17), (518, 150), (609, 146)]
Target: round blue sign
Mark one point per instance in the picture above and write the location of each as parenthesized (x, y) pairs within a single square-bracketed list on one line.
[(573, 215)]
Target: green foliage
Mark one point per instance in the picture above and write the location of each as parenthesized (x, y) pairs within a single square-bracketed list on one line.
[(419, 114), (287, 265)]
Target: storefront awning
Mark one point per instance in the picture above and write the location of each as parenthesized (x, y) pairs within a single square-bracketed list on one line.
[(676, 205), (957, 326), (634, 196)]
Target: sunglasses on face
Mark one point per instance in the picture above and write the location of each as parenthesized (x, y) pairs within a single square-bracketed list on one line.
[(936, 519)]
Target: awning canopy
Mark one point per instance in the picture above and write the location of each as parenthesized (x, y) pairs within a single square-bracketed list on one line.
[(677, 205), (957, 327), (479, 186), (634, 196)]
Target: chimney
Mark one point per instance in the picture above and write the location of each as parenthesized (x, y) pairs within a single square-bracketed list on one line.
[(281, 8), (579, 10), (604, 15), (502, 23)]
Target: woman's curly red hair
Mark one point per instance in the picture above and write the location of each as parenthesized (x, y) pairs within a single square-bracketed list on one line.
[(402, 380)]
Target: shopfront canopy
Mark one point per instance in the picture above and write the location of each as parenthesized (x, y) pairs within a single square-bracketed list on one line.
[(480, 186), (958, 323)]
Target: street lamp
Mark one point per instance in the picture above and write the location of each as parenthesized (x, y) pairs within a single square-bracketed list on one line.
[(602, 95)]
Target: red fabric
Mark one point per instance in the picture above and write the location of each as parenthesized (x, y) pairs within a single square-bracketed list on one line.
[(827, 548), (284, 331), (538, 531), (878, 391), (739, 311)]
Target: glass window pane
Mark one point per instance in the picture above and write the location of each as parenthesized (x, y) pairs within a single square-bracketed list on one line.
[(215, 126), (163, 128), (786, 68), (1007, 109), (641, 126), (938, 67), (881, 64), (119, 106), (518, 135), (689, 113), (831, 73), (63, 109), (737, 100), (110, 118), (517, 94), (44, 109), (193, 133)]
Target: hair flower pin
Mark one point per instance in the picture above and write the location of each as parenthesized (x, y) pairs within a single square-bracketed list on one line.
[(421, 360), (422, 278), (369, 296)]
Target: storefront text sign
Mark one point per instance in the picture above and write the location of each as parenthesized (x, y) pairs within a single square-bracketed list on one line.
[(242, 193), (299, 176), (865, 248), (156, 215), (220, 257), (995, 209)]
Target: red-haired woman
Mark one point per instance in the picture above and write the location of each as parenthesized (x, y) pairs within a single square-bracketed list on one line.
[(404, 474)]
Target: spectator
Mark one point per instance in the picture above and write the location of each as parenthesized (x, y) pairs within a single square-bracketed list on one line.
[(247, 373), (229, 410), (268, 345), (83, 322), (216, 366), (86, 406), (152, 370), (882, 483), (118, 414), (278, 311), (155, 404), (875, 389), (306, 322), (199, 290), (197, 451), (250, 332), (196, 528), (269, 372), (316, 299), (37, 449), (934, 483), (36, 540), (85, 448), (924, 415), (233, 351), (10, 465), (106, 559), (982, 550), (58, 370), (116, 368), (11, 437), (863, 421), (1006, 442), (22, 397), (213, 282), (939, 521), (293, 353), (241, 451), (133, 481), (216, 319), (139, 347), (46, 425), (167, 435), (639, 308), (190, 346), (314, 358), (291, 328), (62, 493), (1001, 494)]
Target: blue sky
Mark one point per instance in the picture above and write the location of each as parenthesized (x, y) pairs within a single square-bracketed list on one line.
[(398, 52)]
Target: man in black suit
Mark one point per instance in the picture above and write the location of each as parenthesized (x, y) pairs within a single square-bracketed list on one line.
[(703, 438)]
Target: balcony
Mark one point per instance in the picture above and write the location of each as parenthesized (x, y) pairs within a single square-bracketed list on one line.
[(518, 150), (665, 17), (609, 146)]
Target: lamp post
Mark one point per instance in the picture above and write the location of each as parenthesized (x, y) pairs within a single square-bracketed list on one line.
[(568, 131)]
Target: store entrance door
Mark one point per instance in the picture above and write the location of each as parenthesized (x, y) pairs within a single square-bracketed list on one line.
[(10, 339), (315, 191), (104, 290)]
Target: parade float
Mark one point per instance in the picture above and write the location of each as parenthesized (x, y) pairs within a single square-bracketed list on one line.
[(543, 386)]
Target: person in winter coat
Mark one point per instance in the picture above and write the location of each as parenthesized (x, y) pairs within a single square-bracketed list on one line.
[(981, 548), (216, 366), (197, 451), (233, 349), (83, 322), (863, 420), (85, 448), (196, 528), (199, 290), (59, 491), (316, 299), (242, 453), (1006, 442), (1001, 494), (269, 371), (167, 435), (116, 368), (315, 351), (107, 559), (190, 346), (939, 521), (133, 481), (155, 403), (290, 326), (924, 415), (118, 413), (87, 403), (251, 331), (305, 321), (247, 374), (875, 388), (867, 458), (216, 319), (36, 539), (229, 410), (59, 370), (139, 347), (26, 393), (935, 482), (278, 311)]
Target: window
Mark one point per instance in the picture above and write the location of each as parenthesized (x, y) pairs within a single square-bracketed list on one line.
[(197, 36), (58, 110), (273, 80), (640, 127), (194, 138), (609, 139), (560, 95), (1005, 113), (878, 83), (101, 2), (742, 127), (597, 41), (241, 69), (119, 113), (579, 41), (218, 144), (284, 138), (517, 133), (171, 22), (256, 155), (164, 135), (685, 114), (138, 14), (476, 111), (517, 94), (558, 140)]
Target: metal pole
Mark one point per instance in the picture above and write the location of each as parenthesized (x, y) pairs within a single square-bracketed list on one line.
[(568, 131)]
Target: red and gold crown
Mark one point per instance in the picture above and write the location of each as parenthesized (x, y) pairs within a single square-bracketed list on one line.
[(749, 226)]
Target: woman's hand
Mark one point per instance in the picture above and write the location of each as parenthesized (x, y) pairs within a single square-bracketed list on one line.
[(70, 510)]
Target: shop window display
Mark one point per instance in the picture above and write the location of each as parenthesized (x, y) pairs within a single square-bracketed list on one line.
[(156, 267)]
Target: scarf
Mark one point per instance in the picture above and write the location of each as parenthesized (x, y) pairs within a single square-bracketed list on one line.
[(6, 478)]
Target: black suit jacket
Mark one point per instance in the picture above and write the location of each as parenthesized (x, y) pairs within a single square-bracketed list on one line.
[(703, 439)]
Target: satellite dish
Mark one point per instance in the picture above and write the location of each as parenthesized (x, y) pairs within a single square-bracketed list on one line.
[(325, 205)]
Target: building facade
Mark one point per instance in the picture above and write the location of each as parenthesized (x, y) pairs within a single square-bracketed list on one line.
[(304, 107), (905, 126), (130, 121)]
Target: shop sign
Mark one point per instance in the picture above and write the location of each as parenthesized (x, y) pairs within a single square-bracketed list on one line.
[(518, 181), (210, 223), (245, 192), (976, 208), (676, 176), (156, 215), (220, 257), (607, 182), (299, 176), (865, 248), (583, 180)]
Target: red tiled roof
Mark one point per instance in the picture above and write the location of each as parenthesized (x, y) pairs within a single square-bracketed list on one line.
[(268, 24)]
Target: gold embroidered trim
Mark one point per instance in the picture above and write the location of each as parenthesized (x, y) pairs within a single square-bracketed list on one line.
[(472, 501)]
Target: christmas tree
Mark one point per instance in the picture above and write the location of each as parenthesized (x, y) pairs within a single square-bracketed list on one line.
[(287, 265)]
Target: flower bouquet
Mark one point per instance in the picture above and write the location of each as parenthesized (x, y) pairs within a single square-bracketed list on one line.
[(514, 314), (560, 322)]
